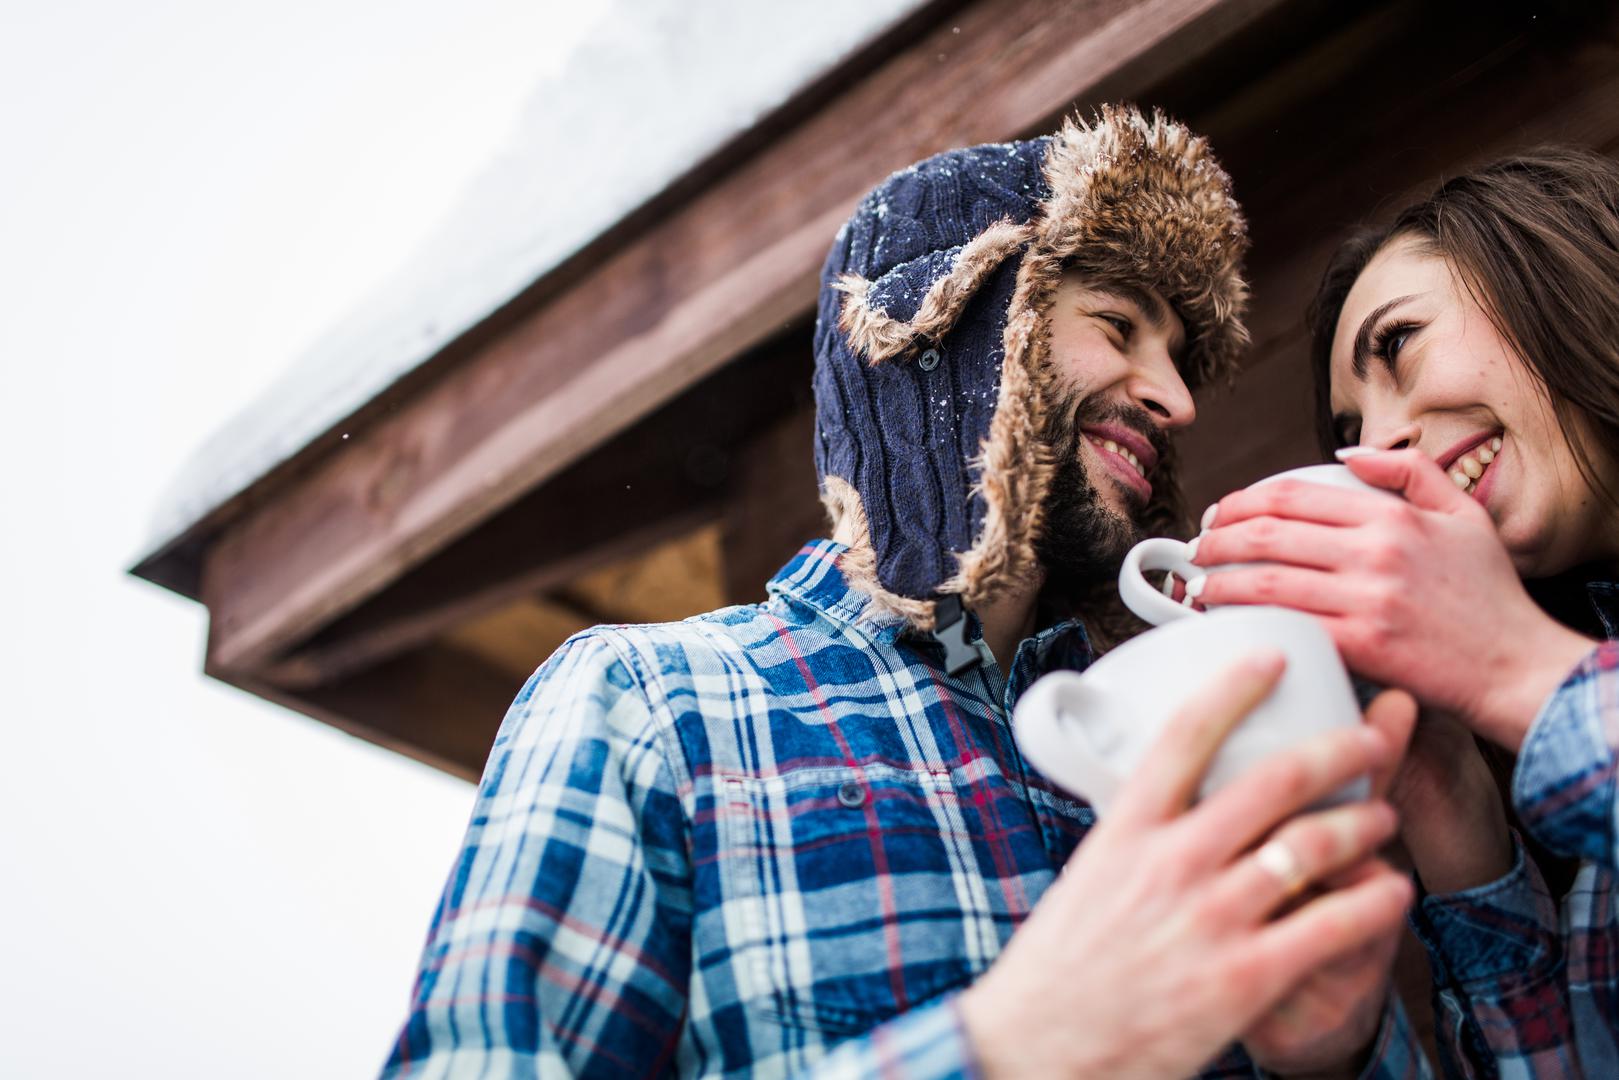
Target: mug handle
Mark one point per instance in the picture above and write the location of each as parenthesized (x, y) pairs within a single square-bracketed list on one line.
[(1140, 595), (1062, 725)]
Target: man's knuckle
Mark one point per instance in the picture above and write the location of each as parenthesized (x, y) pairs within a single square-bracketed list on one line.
[(1316, 846), (1290, 778)]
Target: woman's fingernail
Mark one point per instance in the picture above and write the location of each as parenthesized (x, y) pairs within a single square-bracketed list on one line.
[(1344, 453), (1208, 518), (1194, 588), (1168, 586), (1191, 549)]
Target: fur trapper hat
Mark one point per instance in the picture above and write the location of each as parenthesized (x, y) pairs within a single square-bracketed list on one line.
[(932, 340)]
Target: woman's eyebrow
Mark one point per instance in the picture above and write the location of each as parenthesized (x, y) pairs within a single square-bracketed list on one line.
[(1363, 336)]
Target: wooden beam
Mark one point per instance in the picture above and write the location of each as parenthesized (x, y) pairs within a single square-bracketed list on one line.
[(485, 572), (439, 705), (773, 508), (517, 638), (689, 294), (660, 479), (673, 580)]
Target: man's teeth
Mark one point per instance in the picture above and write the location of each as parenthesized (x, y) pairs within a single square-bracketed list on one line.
[(1113, 447), (1466, 470)]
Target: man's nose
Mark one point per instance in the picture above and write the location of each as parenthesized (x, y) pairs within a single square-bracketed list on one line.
[(1157, 387)]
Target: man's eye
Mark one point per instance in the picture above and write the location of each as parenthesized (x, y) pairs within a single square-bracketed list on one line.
[(1120, 323)]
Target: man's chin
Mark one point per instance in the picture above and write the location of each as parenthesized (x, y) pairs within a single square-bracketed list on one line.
[(1125, 505)]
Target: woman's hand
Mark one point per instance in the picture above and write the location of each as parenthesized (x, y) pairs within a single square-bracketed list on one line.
[(1418, 593), (1453, 821), (1161, 942)]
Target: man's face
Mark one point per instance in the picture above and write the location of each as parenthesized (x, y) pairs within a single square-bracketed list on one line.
[(1118, 393)]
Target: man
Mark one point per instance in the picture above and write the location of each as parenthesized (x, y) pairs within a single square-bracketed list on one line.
[(798, 836)]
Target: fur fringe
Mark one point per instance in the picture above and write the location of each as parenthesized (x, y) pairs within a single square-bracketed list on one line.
[(859, 563), (880, 338)]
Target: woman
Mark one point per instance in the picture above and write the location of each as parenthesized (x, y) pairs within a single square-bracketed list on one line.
[(1467, 356)]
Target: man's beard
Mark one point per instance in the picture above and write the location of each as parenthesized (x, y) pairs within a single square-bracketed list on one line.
[(1083, 540)]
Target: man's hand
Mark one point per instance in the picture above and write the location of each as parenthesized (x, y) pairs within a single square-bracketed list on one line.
[(1326, 1024), (1162, 940)]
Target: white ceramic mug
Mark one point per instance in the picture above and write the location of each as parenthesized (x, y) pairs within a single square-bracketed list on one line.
[(1161, 553), (1089, 732)]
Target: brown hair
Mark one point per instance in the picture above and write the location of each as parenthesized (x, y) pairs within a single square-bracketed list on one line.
[(1535, 240)]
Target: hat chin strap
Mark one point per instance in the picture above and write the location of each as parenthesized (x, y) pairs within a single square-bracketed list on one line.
[(950, 625)]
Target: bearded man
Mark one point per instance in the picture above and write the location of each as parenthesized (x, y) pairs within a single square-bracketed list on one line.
[(797, 836)]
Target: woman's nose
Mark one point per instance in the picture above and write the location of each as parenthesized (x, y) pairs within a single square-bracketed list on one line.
[(1396, 437)]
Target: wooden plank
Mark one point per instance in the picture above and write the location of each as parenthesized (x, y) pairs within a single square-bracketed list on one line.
[(693, 291), (659, 479), (774, 508), (438, 705), (517, 638), (492, 570), (674, 580)]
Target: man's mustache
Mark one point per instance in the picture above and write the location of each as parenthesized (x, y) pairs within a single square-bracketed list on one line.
[(1093, 411)]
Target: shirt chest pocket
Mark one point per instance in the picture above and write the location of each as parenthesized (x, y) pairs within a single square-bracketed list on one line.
[(851, 894)]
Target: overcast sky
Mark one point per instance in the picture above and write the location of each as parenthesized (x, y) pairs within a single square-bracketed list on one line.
[(197, 884)]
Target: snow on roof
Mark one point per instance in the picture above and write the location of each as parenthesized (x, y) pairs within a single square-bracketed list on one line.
[(651, 91)]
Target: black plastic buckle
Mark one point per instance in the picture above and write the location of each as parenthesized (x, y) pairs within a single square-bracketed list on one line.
[(950, 630)]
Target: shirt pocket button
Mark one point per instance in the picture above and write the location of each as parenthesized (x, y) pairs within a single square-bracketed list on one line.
[(852, 793)]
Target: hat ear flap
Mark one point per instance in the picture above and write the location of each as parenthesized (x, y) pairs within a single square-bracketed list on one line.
[(920, 300)]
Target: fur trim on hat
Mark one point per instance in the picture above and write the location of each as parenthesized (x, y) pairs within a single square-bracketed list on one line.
[(1141, 199), (1133, 199), (859, 563), (879, 337)]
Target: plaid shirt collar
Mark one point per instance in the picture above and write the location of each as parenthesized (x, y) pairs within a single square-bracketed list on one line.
[(814, 580)]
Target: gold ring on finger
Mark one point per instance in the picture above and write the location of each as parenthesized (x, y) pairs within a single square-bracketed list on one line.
[(1283, 863)]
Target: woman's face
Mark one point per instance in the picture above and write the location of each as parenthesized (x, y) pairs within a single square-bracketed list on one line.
[(1416, 362)]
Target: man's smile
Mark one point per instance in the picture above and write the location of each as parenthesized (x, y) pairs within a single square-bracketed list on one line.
[(1125, 454)]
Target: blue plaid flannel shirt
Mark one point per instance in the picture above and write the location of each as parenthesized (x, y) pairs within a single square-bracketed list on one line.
[(776, 838), (1527, 984)]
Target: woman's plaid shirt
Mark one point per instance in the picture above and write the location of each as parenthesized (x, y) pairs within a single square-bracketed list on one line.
[(1528, 983), (773, 839)]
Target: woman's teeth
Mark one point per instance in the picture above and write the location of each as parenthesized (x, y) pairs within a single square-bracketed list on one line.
[(1466, 470), (1113, 447)]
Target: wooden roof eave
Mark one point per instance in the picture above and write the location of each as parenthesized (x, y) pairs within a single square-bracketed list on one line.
[(689, 292)]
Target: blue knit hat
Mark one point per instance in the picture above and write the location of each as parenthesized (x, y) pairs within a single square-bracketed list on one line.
[(931, 339)]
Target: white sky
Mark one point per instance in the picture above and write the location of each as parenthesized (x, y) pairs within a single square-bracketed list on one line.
[(195, 883)]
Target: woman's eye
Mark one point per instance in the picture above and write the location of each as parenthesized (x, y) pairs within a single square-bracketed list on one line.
[(1389, 340)]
